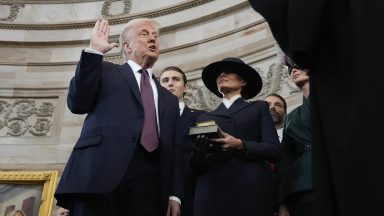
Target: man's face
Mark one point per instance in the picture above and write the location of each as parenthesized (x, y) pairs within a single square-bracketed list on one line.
[(142, 45), (276, 108), (173, 82)]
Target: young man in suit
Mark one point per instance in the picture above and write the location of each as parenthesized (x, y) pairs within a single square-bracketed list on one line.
[(127, 159), (174, 80)]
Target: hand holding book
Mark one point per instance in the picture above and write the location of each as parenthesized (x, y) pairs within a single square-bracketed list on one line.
[(208, 137)]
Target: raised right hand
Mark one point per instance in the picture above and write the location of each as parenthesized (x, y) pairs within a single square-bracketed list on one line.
[(99, 37)]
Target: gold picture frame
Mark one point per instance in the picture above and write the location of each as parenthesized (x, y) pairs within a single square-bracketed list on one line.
[(28, 192)]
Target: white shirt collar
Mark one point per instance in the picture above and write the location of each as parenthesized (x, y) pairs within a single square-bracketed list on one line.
[(181, 107), (228, 103), (136, 68), (280, 133)]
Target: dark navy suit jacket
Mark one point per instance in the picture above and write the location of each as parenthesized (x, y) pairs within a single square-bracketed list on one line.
[(188, 119), (110, 95)]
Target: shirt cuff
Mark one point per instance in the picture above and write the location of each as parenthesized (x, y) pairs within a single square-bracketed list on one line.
[(90, 50), (176, 199)]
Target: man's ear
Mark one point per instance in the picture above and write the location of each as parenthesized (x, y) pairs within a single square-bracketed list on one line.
[(186, 87), (126, 47)]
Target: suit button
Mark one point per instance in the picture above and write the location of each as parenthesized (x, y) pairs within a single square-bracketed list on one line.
[(141, 115), (133, 139)]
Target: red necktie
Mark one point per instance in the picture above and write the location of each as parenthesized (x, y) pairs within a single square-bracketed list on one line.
[(149, 136)]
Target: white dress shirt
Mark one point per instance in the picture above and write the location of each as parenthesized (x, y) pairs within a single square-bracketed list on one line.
[(181, 107), (280, 133), (228, 103)]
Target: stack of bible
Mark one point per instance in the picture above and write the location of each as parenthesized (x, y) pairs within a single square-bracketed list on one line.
[(210, 130)]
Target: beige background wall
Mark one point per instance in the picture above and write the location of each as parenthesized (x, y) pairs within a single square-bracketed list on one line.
[(40, 43)]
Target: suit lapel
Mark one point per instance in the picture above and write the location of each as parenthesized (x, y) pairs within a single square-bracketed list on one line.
[(220, 111), (160, 97), (238, 105), (129, 77), (186, 117)]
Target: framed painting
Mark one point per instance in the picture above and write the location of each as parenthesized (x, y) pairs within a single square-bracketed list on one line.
[(27, 193)]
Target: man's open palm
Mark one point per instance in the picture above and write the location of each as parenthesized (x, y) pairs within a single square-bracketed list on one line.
[(99, 37)]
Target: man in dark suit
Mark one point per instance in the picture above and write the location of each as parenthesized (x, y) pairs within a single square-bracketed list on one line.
[(341, 43), (174, 80), (278, 111), (127, 159)]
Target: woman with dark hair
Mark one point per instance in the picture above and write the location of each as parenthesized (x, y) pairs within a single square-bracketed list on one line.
[(235, 178), (295, 197)]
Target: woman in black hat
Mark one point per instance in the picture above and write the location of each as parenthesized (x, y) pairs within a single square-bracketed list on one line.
[(235, 178)]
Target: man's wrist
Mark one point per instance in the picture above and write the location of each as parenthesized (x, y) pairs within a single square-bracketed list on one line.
[(91, 50)]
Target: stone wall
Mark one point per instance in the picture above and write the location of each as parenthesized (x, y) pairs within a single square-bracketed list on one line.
[(41, 41)]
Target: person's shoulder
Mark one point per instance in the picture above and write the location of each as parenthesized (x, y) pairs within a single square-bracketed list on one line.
[(111, 64), (164, 94), (293, 113), (259, 103)]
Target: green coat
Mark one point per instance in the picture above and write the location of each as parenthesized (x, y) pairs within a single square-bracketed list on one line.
[(296, 161)]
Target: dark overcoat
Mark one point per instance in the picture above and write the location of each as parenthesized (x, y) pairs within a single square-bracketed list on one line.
[(239, 184), (341, 42)]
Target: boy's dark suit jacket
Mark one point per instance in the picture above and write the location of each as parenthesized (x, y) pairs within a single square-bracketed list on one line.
[(188, 119), (232, 184), (109, 93), (341, 42)]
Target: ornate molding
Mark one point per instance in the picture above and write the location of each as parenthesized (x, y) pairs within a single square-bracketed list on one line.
[(27, 175), (45, 1), (118, 59), (105, 10), (13, 11), (199, 97), (26, 117), (112, 21)]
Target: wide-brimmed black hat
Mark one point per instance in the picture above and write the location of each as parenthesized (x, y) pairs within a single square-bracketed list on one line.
[(233, 65)]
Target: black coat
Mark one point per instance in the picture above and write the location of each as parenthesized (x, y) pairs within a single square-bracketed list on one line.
[(188, 119), (233, 184), (110, 95), (341, 42)]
